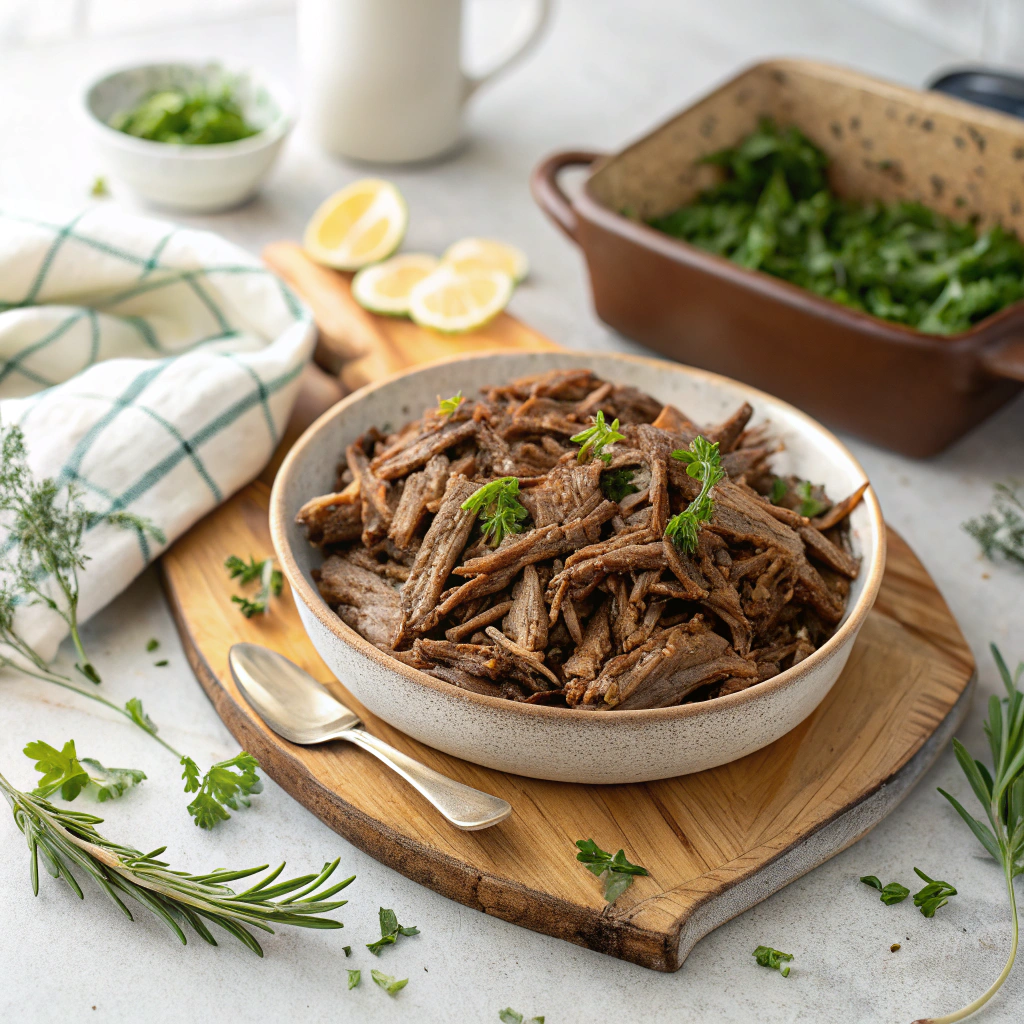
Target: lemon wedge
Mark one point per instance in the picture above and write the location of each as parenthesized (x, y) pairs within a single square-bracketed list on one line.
[(453, 303), (362, 224), (472, 254), (385, 287)]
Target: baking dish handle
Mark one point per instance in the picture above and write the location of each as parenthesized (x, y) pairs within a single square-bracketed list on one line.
[(548, 193), (1006, 360)]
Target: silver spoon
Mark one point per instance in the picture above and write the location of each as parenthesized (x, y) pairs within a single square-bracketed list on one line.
[(298, 708)]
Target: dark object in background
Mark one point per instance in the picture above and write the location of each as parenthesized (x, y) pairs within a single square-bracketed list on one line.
[(998, 90), (912, 392)]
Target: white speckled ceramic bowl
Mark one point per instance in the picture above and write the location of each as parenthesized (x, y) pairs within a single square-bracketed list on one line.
[(559, 743), (194, 179)]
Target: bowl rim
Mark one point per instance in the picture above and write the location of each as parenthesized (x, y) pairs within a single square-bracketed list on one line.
[(303, 590), (273, 133)]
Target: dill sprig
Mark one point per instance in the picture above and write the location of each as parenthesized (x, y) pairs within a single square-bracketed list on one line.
[(703, 463), (1001, 793), (498, 507), (595, 439), (1001, 530), (68, 839)]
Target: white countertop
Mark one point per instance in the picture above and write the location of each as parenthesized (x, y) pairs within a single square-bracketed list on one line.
[(606, 72)]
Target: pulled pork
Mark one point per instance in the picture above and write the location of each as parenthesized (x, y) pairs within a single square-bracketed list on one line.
[(590, 605)]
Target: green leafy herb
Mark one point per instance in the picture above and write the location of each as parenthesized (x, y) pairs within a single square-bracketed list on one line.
[(450, 406), (933, 895), (99, 188), (773, 958), (499, 509), (62, 769), (390, 929), (779, 490), (1001, 793), (271, 583), (221, 787), (773, 211), (152, 645), (161, 663), (616, 872), (617, 483), (205, 113), (703, 463), (810, 506), (390, 984), (68, 839), (510, 1016), (596, 438), (891, 893), (1001, 530), (347, 950), (353, 977)]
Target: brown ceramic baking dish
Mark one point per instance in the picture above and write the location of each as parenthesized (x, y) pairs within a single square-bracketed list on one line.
[(909, 391)]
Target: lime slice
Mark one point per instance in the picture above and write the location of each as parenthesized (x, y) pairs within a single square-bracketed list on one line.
[(385, 287), (453, 303), (359, 225), (472, 254)]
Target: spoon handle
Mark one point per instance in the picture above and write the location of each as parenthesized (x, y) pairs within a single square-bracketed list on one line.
[(465, 807)]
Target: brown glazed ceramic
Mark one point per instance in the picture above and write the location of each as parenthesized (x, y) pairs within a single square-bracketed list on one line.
[(912, 392)]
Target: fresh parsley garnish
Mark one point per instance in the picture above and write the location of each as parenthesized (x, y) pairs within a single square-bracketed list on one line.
[(810, 506), (162, 663), (703, 463), (499, 509), (773, 958), (64, 770), (271, 583), (347, 950), (152, 645), (1001, 793), (221, 787), (510, 1016), (891, 893), (353, 978), (617, 483), (616, 872), (779, 490), (390, 930), (390, 984), (450, 406), (99, 188), (1001, 530), (596, 438), (933, 895)]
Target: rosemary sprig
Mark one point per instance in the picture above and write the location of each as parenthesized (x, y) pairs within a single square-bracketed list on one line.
[(1001, 793), (703, 463), (1001, 530), (596, 438), (68, 839), (499, 509)]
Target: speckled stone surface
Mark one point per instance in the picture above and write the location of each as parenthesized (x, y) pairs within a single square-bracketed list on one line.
[(605, 74)]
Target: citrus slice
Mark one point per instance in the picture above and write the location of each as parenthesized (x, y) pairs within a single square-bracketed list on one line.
[(359, 225), (472, 254), (453, 303), (385, 287)]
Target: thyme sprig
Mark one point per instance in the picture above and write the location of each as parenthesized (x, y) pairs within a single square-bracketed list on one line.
[(1001, 530), (596, 438), (703, 463), (68, 839), (1001, 793), (499, 509)]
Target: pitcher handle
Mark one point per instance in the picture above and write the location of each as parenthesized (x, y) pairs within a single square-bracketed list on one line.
[(525, 35)]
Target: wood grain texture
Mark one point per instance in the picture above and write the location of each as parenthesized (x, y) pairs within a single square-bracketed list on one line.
[(715, 843)]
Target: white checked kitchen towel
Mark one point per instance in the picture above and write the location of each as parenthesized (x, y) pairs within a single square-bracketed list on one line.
[(152, 366)]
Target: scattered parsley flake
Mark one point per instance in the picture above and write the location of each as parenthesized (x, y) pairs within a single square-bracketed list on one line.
[(617, 483), (390, 930), (353, 977), (62, 769), (773, 959), (616, 872), (221, 787), (390, 984), (450, 406), (152, 645)]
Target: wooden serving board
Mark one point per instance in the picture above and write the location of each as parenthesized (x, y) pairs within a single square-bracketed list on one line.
[(715, 843)]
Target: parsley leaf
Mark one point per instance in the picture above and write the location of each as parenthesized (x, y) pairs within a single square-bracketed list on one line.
[(779, 490), (390, 930), (62, 769), (152, 645), (510, 1016), (810, 506), (616, 872), (450, 406), (933, 895), (353, 978), (891, 893), (499, 509), (387, 982), (271, 582), (773, 958), (139, 717), (703, 463), (617, 483), (347, 950), (595, 439), (220, 787)]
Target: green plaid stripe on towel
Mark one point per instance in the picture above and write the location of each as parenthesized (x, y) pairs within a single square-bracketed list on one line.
[(154, 366)]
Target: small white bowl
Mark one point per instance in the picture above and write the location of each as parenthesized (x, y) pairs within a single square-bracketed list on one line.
[(562, 743), (195, 179)]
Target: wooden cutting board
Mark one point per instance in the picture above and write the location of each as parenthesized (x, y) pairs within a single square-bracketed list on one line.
[(715, 843)]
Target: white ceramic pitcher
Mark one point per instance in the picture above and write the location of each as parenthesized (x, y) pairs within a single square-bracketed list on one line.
[(382, 80)]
